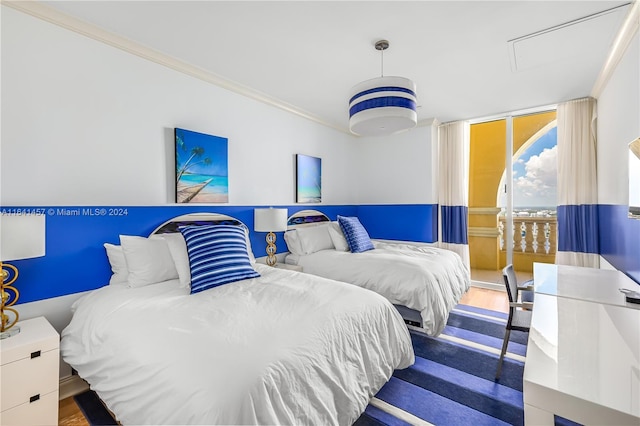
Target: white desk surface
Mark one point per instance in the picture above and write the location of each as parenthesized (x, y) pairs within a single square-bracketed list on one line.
[(590, 284), (583, 361)]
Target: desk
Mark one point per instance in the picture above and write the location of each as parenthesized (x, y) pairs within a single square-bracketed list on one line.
[(575, 282), (583, 356)]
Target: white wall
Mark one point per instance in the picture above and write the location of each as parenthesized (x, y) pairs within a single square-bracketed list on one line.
[(84, 123), (396, 169), (618, 124)]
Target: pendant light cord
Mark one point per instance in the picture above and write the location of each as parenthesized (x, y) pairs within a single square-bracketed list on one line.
[(381, 45)]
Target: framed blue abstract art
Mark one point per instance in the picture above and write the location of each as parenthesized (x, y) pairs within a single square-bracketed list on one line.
[(202, 174), (308, 179)]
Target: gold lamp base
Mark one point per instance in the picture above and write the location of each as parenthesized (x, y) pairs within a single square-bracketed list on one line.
[(11, 332), (271, 249), (8, 325)]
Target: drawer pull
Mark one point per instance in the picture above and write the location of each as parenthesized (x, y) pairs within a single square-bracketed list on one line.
[(35, 354), (34, 398)]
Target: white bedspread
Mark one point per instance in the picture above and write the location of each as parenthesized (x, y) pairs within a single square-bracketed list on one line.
[(427, 279), (286, 348)]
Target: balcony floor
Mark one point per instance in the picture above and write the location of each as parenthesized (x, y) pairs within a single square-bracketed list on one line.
[(495, 277)]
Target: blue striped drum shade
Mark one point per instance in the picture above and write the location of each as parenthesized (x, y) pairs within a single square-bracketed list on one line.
[(382, 106)]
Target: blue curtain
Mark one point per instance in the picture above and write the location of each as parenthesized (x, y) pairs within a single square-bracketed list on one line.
[(454, 224), (578, 228)]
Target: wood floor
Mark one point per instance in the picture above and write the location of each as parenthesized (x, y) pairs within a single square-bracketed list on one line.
[(70, 414)]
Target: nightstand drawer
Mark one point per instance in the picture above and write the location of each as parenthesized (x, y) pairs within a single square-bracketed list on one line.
[(36, 335), (21, 381), (43, 411)]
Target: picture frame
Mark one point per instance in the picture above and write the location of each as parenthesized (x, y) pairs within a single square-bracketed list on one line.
[(308, 179), (202, 167)]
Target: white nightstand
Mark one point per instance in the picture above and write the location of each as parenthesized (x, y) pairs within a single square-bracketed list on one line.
[(29, 375), (297, 268)]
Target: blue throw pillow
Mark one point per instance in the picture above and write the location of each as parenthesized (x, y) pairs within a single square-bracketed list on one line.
[(217, 255), (357, 237)]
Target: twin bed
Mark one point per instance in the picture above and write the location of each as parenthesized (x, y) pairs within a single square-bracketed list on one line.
[(423, 282), (196, 332), (280, 348)]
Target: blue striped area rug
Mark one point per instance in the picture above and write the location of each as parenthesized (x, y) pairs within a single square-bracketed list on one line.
[(452, 381)]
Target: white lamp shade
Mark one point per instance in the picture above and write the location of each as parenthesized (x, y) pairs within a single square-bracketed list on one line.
[(270, 220), (22, 237), (382, 106)]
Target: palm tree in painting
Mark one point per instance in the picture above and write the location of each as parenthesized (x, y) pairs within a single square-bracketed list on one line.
[(201, 167), (196, 152)]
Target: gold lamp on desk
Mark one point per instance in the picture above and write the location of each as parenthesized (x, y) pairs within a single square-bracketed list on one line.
[(270, 220), (21, 237)]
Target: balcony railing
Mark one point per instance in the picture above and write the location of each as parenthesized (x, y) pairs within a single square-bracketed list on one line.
[(534, 235)]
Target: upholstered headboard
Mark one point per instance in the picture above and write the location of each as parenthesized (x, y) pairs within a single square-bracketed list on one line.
[(306, 218), (172, 225)]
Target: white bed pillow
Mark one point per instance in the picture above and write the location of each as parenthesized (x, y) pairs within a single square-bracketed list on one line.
[(178, 250), (314, 238), (293, 242), (149, 260), (118, 264), (252, 258), (337, 237)]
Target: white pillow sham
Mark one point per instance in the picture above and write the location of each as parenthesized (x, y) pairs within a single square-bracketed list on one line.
[(312, 239), (178, 249), (120, 273), (252, 258), (293, 242), (337, 237), (149, 260)]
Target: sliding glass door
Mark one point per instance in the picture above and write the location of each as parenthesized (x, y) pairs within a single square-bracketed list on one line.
[(512, 194)]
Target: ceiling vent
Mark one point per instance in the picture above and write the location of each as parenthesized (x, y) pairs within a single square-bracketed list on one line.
[(567, 41)]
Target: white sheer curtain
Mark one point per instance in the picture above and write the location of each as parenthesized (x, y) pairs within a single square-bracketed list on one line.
[(453, 148), (578, 242)]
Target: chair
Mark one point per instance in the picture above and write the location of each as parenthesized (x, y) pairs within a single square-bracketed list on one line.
[(519, 308)]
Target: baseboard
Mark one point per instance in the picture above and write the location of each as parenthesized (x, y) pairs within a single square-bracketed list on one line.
[(490, 286), (72, 385)]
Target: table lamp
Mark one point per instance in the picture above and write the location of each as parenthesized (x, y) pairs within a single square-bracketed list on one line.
[(21, 237), (270, 220)]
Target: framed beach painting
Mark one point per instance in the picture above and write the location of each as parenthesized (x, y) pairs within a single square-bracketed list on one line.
[(202, 174), (308, 179)]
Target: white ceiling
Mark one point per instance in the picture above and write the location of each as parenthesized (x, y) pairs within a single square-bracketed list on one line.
[(306, 55)]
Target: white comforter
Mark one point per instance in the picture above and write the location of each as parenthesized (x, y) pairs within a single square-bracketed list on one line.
[(285, 348), (427, 279)]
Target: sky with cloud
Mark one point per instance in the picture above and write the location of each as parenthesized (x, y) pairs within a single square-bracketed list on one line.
[(535, 174)]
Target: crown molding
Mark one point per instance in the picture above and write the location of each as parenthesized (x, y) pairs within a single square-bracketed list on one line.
[(48, 14), (620, 44)]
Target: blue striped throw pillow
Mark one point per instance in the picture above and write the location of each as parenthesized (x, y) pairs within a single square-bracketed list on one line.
[(217, 255), (357, 237)]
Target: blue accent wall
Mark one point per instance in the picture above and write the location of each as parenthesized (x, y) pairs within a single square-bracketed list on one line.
[(620, 239), (76, 261), (406, 222)]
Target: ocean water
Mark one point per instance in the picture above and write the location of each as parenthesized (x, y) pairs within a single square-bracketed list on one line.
[(219, 184), (309, 195)]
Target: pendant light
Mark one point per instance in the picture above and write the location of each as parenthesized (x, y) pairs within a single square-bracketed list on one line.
[(384, 105)]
